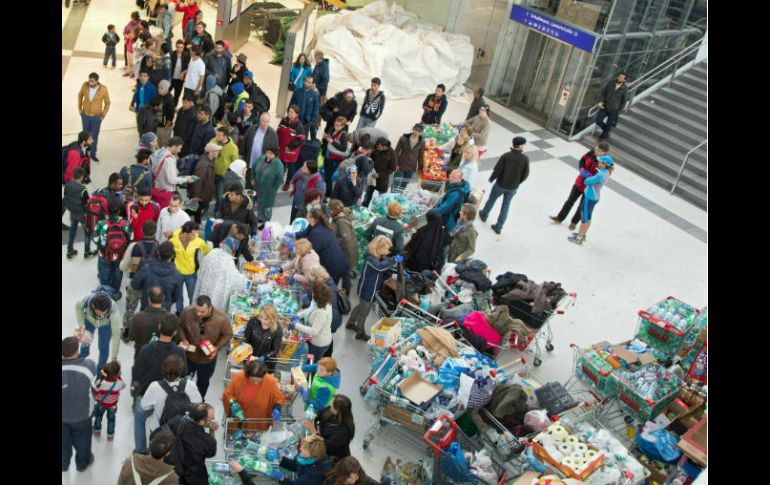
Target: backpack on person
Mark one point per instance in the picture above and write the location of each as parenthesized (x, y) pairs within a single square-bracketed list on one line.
[(146, 256), (220, 112), (65, 150), (175, 427), (116, 241), (96, 210), (186, 165), (129, 190), (177, 401), (261, 101)]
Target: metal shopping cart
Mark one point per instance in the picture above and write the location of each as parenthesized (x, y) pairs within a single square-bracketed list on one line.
[(413, 318), (447, 468), (239, 433)]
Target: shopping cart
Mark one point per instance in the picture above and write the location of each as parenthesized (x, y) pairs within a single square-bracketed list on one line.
[(447, 469), (285, 381), (531, 345), (413, 318), (220, 473), (503, 447), (238, 434)]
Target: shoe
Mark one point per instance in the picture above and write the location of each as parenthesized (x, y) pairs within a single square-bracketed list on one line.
[(110, 437), (575, 238), (93, 157), (572, 227), (65, 227), (350, 326), (555, 219), (97, 433), (90, 462), (285, 187), (89, 254), (72, 254), (482, 217), (362, 336), (124, 335), (120, 295), (496, 229)]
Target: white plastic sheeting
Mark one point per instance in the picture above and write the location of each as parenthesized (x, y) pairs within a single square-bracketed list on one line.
[(410, 56)]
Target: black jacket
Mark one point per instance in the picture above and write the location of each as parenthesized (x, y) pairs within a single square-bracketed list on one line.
[(221, 231), (244, 213), (184, 127), (168, 106), (163, 274), (614, 98), (328, 248), (145, 120), (312, 474), (346, 192), (337, 437), (147, 364), (511, 170), (201, 135), (348, 110), (185, 61), (263, 342), (75, 198), (258, 97), (198, 445)]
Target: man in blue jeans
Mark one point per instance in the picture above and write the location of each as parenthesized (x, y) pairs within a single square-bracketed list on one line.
[(147, 369), (98, 313), (112, 246), (77, 374), (511, 170)]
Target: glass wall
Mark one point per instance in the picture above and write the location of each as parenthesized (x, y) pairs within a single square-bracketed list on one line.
[(590, 15)]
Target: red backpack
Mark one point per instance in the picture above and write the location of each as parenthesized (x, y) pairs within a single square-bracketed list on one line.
[(117, 241), (96, 210)]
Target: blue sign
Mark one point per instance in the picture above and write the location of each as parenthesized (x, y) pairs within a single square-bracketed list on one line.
[(553, 28)]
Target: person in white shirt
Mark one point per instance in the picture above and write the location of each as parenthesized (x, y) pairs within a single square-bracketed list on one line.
[(319, 318), (196, 72), (171, 218), (165, 175), (154, 398)]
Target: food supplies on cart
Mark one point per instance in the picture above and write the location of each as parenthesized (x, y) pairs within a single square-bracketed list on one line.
[(258, 451), (414, 205), (439, 135), (566, 452), (434, 164), (664, 325), (648, 390)]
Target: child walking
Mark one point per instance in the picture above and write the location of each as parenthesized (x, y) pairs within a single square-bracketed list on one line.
[(110, 40), (106, 390)]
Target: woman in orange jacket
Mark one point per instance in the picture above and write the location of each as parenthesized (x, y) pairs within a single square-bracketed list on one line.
[(257, 392)]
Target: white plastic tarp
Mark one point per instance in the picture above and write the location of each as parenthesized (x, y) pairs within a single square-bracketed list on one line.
[(410, 56)]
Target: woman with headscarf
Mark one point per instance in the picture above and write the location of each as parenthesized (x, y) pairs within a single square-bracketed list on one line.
[(346, 188), (236, 174), (218, 277), (425, 249), (214, 95)]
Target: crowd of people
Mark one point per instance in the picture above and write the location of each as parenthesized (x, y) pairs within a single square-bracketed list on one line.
[(219, 146)]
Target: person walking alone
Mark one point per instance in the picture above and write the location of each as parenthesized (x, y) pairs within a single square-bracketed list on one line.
[(93, 104), (614, 97), (511, 170)]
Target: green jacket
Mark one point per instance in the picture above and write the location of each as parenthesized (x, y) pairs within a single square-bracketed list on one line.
[(267, 180), (463, 244), (113, 318), (228, 155)]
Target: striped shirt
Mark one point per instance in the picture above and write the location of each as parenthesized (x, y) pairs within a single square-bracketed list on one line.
[(102, 387)]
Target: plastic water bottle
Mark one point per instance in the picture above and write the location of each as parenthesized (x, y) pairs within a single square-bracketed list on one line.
[(236, 411), (310, 413), (266, 453)]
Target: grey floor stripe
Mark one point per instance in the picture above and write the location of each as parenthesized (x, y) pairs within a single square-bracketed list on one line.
[(65, 62), (508, 125), (653, 207), (69, 34)]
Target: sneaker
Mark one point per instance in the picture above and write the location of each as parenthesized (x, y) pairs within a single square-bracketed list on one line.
[(97, 433), (482, 217), (65, 227), (572, 227), (89, 254), (90, 462), (555, 219), (496, 229), (110, 437), (72, 254), (575, 238), (362, 336), (93, 157)]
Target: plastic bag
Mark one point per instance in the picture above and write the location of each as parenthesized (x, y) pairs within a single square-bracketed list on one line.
[(238, 354), (276, 438), (456, 451), (658, 445), (537, 420)]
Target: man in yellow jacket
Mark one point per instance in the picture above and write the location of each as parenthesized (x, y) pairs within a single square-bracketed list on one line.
[(93, 104), (186, 243)]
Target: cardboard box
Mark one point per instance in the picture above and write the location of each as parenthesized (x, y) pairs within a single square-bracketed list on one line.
[(386, 332), (694, 443), (207, 347), (418, 390), (633, 357)]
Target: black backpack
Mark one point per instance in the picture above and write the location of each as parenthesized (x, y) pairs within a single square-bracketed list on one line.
[(177, 401), (186, 165), (175, 426)]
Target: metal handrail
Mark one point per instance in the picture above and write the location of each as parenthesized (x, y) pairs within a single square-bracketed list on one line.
[(633, 86), (684, 162)]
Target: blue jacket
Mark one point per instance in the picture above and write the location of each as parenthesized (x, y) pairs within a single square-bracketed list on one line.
[(336, 317), (322, 395), (298, 75), (595, 183), (321, 76), (143, 95), (201, 135), (163, 274), (328, 248), (309, 104), (373, 276), (449, 207), (313, 474)]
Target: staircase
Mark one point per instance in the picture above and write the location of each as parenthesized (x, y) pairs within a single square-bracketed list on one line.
[(654, 136)]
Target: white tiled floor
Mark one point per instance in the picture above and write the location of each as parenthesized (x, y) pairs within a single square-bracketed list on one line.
[(632, 257)]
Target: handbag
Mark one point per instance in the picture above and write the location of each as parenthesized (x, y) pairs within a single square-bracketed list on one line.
[(162, 197), (343, 301)]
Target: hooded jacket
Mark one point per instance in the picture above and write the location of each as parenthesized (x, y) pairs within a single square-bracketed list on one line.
[(290, 138), (201, 135), (309, 104), (435, 109), (511, 170), (373, 105), (244, 213), (163, 274), (328, 249), (384, 163), (373, 276), (449, 207), (320, 395), (267, 180), (346, 236), (148, 469), (344, 108), (198, 445), (321, 76), (387, 227), (409, 159)]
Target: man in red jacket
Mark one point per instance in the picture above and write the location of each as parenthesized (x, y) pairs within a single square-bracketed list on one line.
[(140, 210), (587, 166)]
